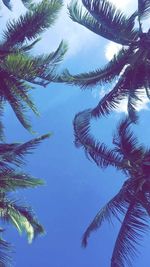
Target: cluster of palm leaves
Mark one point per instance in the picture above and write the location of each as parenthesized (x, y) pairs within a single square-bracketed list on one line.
[(11, 178), (19, 69), (131, 206), (19, 72), (129, 71)]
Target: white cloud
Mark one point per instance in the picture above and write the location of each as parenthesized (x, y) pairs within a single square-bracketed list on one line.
[(111, 49)]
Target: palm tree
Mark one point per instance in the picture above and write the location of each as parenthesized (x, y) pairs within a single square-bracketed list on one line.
[(11, 179), (19, 69), (129, 70), (131, 206)]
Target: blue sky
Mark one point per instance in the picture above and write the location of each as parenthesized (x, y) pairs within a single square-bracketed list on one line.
[(75, 188)]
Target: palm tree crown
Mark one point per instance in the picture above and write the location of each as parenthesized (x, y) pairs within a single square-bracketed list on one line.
[(11, 178), (19, 70), (129, 70), (132, 204)]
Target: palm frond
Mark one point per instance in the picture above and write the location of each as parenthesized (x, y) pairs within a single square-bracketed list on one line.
[(143, 8), (98, 152), (99, 76), (33, 23), (13, 154), (22, 217), (134, 225), (11, 180), (19, 65), (126, 143), (28, 213), (14, 100), (45, 66), (111, 100), (113, 20), (8, 4), (85, 19), (5, 253), (115, 207), (133, 99)]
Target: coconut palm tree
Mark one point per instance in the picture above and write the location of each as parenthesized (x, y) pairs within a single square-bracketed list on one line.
[(12, 179), (131, 205), (129, 70), (19, 69)]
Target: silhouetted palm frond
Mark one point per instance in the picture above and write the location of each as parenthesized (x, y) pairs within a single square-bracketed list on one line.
[(131, 206), (15, 153), (98, 152), (130, 68), (115, 207), (143, 8), (99, 76), (42, 16), (100, 19), (5, 253), (134, 225)]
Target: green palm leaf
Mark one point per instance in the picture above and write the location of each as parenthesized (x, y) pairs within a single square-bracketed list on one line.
[(11, 181), (33, 23), (22, 217)]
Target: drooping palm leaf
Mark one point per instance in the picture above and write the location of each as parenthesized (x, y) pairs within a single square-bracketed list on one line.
[(117, 205), (98, 152), (134, 225), (84, 18), (113, 20), (22, 217), (100, 76)]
